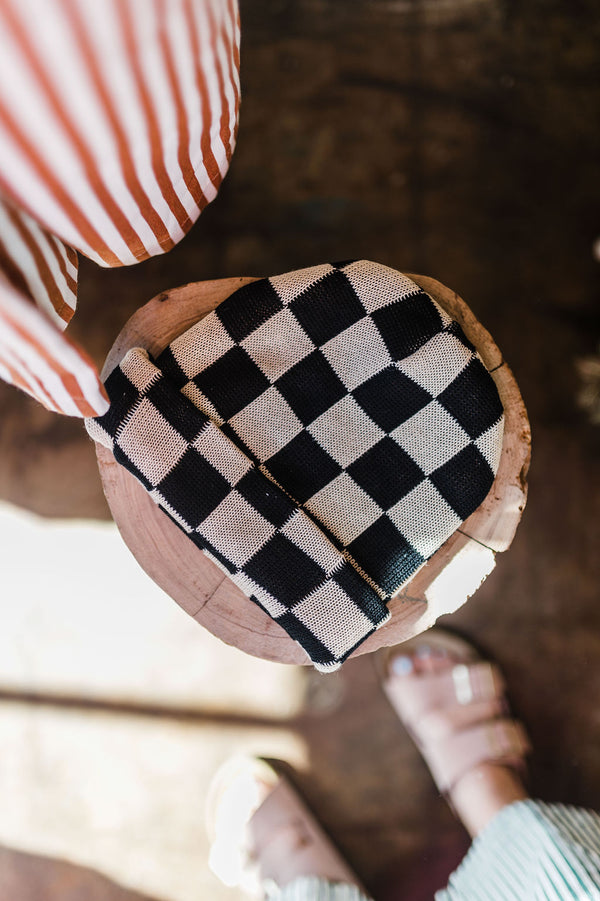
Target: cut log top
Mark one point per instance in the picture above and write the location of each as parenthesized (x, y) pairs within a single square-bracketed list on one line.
[(442, 585)]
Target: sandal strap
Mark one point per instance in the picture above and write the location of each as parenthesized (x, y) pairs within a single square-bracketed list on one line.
[(283, 821), (501, 741), (481, 681), (462, 684)]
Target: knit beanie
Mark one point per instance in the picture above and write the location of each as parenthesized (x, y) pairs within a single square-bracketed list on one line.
[(319, 436)]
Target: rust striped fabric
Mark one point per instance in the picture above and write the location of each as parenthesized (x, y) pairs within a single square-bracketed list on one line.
[(118, 120)]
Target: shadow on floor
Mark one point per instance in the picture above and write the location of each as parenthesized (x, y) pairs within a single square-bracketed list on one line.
[(30, 877)]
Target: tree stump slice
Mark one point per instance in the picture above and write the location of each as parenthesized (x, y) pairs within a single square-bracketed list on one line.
[(183, 571)]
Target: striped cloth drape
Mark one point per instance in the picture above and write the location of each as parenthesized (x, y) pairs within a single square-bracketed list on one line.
[(118, 120)]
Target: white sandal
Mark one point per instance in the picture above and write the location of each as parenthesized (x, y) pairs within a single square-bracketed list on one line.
[(262, 832)]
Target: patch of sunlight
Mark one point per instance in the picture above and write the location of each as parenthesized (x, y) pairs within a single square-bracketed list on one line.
[(79, 616), (123, 795)]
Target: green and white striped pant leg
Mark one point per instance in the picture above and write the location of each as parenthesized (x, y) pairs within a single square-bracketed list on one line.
[(311, 888), (531, 851)]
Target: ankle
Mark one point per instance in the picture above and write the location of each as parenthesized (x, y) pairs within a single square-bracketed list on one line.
[(483, 792)]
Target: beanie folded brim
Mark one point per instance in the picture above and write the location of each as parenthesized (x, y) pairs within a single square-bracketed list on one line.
[(248, 525)]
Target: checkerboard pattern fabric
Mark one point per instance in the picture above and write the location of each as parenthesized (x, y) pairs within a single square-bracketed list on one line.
[(320, 435)]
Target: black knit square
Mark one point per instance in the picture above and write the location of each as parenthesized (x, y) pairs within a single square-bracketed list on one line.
[(327, 307), (194, 488), (303, 467), (248, 307), (464, 480), (390, 398), (472, 398), (386, 473), (310, 387), (232, 382), (385, 554), (407, 324), (285, 571)]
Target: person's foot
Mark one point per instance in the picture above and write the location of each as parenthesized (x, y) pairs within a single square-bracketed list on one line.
[(263, 833), (453, 705)]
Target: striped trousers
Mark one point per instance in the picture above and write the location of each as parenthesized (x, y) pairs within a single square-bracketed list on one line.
[(530, 851)]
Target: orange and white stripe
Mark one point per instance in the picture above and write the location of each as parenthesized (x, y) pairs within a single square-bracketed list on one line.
[(38, 264), (36, 356), (118, 120)]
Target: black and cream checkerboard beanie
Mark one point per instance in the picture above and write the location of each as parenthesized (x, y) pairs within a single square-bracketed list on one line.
[(319, 435)]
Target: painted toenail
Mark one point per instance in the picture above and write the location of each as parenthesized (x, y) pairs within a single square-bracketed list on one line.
[(402, 666)]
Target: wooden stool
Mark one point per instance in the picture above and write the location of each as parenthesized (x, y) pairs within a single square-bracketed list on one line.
[(443, 584)]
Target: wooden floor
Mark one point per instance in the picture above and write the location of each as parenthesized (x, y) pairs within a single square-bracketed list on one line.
[(459, 140)]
